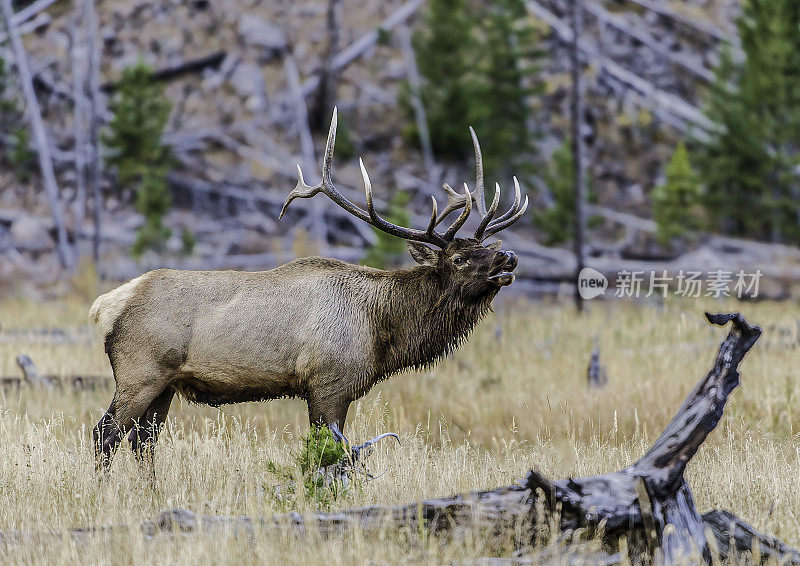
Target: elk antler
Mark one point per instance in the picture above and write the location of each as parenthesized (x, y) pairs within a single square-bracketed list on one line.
[(487, 227), (429, 235)]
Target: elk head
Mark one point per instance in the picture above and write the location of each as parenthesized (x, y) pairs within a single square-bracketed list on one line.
[(463, 264)]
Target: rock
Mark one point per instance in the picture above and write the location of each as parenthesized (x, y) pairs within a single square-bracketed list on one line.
[(248, 82), (267, 38), (31, 234)]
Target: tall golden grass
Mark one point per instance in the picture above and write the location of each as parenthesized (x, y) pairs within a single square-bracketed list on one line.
[(513, 397)]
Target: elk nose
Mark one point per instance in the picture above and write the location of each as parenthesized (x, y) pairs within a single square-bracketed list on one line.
[(511, 260)]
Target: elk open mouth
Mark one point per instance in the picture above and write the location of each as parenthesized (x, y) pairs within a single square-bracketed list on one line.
[(502, 276)]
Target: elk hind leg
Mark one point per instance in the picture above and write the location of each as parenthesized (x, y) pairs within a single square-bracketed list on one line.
[(123, 414), (144, 435), (106, 437)]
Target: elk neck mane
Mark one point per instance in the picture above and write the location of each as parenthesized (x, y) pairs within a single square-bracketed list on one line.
[(418, 320)]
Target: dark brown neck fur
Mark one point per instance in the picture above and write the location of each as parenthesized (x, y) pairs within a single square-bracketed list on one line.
[(419, 320)]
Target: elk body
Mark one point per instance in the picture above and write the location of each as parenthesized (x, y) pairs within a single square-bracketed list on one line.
[(315, 328)]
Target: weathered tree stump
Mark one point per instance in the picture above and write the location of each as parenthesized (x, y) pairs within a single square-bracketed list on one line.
[(652, 493), (596, 375)]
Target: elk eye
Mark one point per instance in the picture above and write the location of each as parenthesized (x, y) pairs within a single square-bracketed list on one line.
[(458, 260)]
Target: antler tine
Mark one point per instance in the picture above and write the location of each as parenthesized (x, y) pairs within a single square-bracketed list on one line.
[(432, 223), (480, 197), (303, 190), (514, 206), (495, 228), (459, 222), (489, 214), (428, 235), (454, 201)]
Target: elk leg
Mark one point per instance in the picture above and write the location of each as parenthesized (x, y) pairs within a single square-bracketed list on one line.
[(122, 414), (144, 436), (106, 436), (329, 413), (333, 415)]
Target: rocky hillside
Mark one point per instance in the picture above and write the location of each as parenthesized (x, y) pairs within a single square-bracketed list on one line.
[(234, 131)]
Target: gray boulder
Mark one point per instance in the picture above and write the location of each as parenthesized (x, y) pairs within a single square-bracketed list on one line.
[(262, 35), (30, 233)]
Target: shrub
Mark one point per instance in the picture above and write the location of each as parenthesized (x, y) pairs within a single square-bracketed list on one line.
[(21, 155), (676, 203), (558, 220), (136, 150), (318, 450)]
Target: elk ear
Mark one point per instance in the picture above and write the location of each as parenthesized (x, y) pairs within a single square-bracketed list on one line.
[(495, 246), (422, 254)]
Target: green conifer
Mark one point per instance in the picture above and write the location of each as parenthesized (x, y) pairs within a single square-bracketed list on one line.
[(136, 149), (676, 203)]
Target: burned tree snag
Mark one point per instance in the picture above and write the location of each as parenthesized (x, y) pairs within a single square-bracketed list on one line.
[(596, 375), (618, 498), (328, 73)]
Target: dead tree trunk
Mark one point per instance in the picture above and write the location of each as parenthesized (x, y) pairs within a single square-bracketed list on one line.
[(326, 93), (40, 136), (317, 216), (415, 82), (94, 170), (576, 111), (652, 493), (78, 58)]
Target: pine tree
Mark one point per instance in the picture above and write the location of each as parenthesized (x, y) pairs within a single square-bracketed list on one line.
[(503, 112), (12, 121), (750, 164), (476, 60), (558, 220), (134, 140), (153, 201), (446, 49), (676, 203)]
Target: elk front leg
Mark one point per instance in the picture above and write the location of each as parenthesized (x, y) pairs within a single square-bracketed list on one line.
[(330, 412)]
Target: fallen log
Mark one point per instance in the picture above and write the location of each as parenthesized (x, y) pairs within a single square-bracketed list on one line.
[(607, 18), (668, 107), (636, 504), (365, 42), (190, 66), (663, 10), (74, 382)]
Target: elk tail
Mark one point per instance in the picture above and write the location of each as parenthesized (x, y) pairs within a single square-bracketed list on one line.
[(106, 308)]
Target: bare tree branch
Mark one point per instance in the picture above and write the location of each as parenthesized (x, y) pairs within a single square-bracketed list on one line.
[(317, 215), (39, 134), (95, 100), (415, 81)]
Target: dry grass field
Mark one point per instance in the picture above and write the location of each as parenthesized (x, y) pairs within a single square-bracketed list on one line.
[(514, 397)]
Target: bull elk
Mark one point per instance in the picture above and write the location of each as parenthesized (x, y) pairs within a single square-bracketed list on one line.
[(315, 328)]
